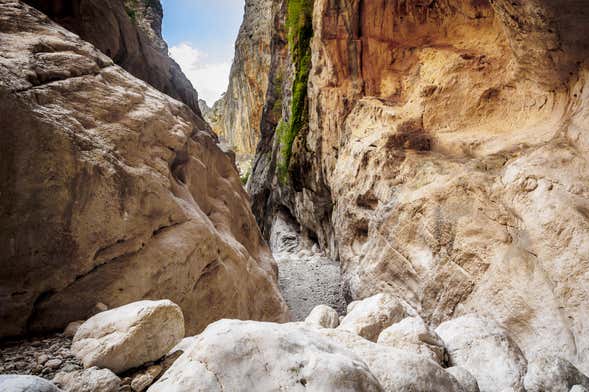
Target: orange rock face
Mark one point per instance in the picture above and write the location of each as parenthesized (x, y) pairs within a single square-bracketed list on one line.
[(446, 160)]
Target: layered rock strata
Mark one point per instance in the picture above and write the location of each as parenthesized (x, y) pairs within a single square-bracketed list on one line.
[(113, 192), (444, 157)]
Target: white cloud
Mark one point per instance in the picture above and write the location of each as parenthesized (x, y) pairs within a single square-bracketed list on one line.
[(209, 79)]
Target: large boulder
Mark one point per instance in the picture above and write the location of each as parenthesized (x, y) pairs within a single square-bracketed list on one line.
[(88, 380), (18, 383), (464, 378), (370, 316), (323, 316), (397, 370), (554, 374), (233, 355), (484, 348), (113, 192), (129, 336), (412, 334), (129, 32)]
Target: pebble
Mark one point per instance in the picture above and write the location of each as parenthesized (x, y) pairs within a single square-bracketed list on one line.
[(38, 356), (53, 363)]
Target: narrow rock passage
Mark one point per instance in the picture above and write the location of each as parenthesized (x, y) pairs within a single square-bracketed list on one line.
[(307, 277)]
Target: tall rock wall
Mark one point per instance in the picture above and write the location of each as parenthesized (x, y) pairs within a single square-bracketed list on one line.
[(129, 32), (242, 105), (113, 192), (444, 158)]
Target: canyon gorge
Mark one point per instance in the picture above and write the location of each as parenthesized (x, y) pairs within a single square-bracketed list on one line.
[(412, 213)]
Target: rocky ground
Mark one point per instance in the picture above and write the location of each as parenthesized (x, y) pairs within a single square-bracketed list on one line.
[(44, 357), (308, 279)]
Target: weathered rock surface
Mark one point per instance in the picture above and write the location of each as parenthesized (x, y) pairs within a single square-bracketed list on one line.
[(445, 158), (14, 383), (397, 370), (485, 349), (113, 192), (369, 317), (130, 33), (88, 380), (129, 336), (323, 316), (464, 378), (241, 107), (413, 335), (235, 355), (551, 373), (578, 388)]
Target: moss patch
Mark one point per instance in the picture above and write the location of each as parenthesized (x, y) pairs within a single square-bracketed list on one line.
[(299, 23)]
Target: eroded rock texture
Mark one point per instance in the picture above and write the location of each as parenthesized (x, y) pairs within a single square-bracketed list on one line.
[(113, 192), (445, 159), (129, 32), (242, 105)]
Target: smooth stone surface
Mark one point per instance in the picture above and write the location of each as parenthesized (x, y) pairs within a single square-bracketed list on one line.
[(323, 316), (485, 349), (369, 317), (18, 383), (232, 355), (129, 336), (554, 374), (88, 380)]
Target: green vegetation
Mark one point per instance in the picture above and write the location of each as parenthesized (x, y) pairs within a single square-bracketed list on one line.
[(299, 24), (285, 139), (246, 176), (130, 8), (132, 14)]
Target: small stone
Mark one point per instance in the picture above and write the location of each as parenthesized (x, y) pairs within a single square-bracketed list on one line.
[(69, 367), (42, 359), (53, 363), (141, 382), (98, 308), (72, 328)]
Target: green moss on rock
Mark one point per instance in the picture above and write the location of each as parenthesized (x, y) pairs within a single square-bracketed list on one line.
[(299, 24)]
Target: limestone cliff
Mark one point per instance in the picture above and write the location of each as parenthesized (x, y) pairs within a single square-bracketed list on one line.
[(440, 149), (112, 192), (129, 32), (242, 105)]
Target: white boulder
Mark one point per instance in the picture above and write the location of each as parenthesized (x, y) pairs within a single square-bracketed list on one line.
[(464, 378), (397, 370), (18, 383), (323, 316), (579, 388), (413, 335), (129, 336), (554, 374), (88, 380), (484, 348), (233, 355), (370, 316)]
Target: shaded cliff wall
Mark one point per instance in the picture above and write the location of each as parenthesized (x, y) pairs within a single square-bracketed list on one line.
[(444, 158), (129, 32), (113, 192)]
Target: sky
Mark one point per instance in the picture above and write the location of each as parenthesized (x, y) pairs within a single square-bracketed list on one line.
[(201, 36)]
